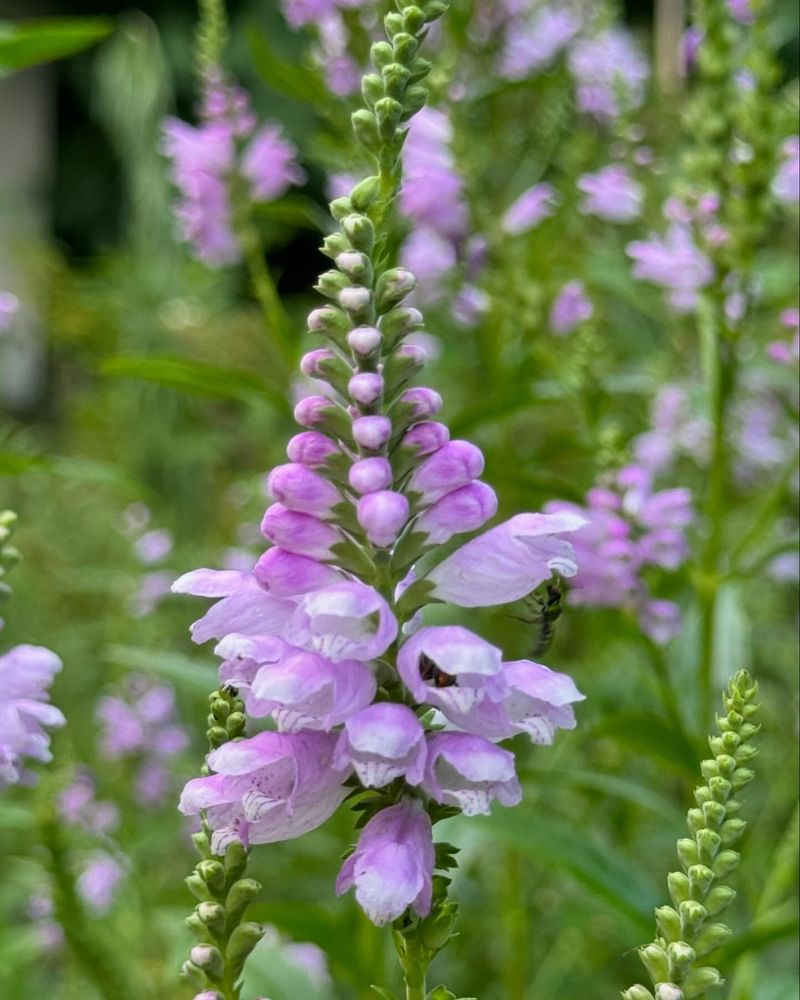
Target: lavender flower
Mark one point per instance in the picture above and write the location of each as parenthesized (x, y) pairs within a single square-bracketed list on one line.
[(611, 194), (206, 158), (532, 207), (98, 882), (610, 73), (300, 12), (78, 806), (675, 263), (570, 308), (139, 725), (629, 527), (786, 184), (534, 42), (26, 672)]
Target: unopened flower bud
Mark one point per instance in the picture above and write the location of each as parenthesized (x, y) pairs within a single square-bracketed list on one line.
[(213, 874), (719, 899), (419, 403), (383, 515), (335, 244), (465, 509), (654, 959), (331, 283), (324, 364), (381, 54), (365, 128), (680, 956), (668, 991), (242, 941), (355, 299), (240, 895), (708, 844), (364, 341), (330, 322), (341, 207), (209, 995), (364, 193), (372, 432), (668, 923), (678, 885), (369, 475), (365, 387), (202, 846), (692, 916), (360, 231), (322, 414), (235, 724), (314, 450), (209, 959), (399, 323), (687, 852), (406, 362), (193, 975), (700, 981), (298, 488), (700, 879), (424, 438), (637, 993), (356, 266), (393, 286), (212, 915), (711, 937)]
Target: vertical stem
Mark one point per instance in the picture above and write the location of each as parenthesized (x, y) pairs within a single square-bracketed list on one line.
[(515, 973), (669, 28)]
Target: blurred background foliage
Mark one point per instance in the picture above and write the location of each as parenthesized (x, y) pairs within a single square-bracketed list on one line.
[(150, 381)]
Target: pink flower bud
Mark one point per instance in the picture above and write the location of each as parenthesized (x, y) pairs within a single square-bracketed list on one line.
[(425, 438), (364, 340), (455, 464), (297, 532), (465, 509), (365, 387), (369, 475), (312, 364), (421, 402), (313, 410), (298, 488), (311, 449), (327, 319), (354, 264), (355, 299), (382, 515), (372, 432)]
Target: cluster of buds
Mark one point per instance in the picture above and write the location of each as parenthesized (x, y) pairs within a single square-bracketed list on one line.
[(689, 930), (9, 554), (225, 938)]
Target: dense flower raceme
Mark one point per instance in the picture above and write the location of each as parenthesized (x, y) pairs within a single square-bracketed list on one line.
[(326, 636), (139, 724), (630, 527), (207, 158), (26, 672)]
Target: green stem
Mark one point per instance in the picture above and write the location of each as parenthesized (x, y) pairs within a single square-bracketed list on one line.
[(722, 380), (93, 954)]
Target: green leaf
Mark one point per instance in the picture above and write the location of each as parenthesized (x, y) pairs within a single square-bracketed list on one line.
[(198, 378), (384, 993), (615, 786), (294, 210), (303, 84), (652, 734), (186, 672), (270, 971), (599, 868), (16, 818), (69, 467), (27, 43)]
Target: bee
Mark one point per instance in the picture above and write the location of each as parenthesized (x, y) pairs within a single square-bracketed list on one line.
[(545, 610), (431, 674)]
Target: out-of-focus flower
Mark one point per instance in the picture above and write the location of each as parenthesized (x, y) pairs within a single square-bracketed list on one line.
[(610, 73), (532, 207), (786, 185), (26, 672), (571, 307), (9, 306), (535, 40), (300, 12), (153, 546), (98, 882), (742, 10), (674, 262), (78, 806), (611, 194)]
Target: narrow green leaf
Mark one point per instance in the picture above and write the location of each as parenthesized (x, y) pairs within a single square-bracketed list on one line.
[(186, 672), (650, 733), (198, 378), (27, 43), (597, 867), (302, 83)]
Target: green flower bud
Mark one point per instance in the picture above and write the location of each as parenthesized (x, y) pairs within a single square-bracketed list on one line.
[(741, 777), (213, 874), (242, 941), (700, 981), (365, 128), (365, 193), (220, 709), (434, 9), (668, 923), (700, 879), (381, 54), (393, 24), (335, 244), (708, 844), (396, 78), (711, 937), (330, 283), (420, 68), (360, 231), (437, 929), (637, 993), (692, 915), (713, 814), (398, 323), (340, 207), (236, 724), (197, 886), (719, 899), (720, 789), (680, 957), (695, 820), (687, 852), (356, 266), (414, 100), (387, 113), (731, 831), (655, 960), (193, 975), (240, 895), (372, 89), (678, 885), (217, 736), (725, 862), (393, 286), (196, 926), (413, 20), (405, 48), (202, 846)]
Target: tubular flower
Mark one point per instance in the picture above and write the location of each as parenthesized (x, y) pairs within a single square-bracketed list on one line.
[(325, 634), (26, 672)]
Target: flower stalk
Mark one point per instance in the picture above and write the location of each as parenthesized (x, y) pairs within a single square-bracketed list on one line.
[(689, 930)]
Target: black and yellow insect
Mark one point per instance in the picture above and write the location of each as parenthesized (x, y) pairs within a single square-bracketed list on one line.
[(544, 611)]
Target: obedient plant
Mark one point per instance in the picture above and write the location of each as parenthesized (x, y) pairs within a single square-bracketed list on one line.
[(688, 932), (326, 636)]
